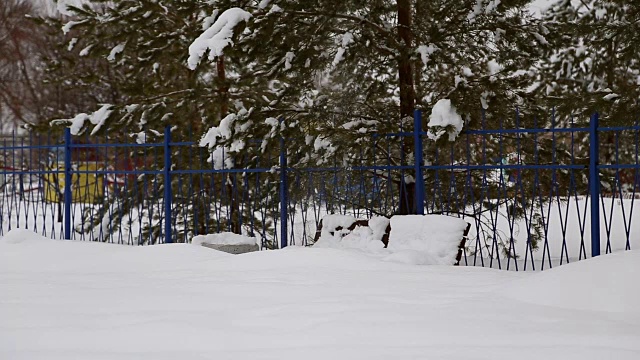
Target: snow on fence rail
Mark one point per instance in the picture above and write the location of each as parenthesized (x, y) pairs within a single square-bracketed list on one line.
[(525, 189)]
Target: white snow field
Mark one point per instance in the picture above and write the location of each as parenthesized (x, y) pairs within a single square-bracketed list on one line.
[(86, 300)]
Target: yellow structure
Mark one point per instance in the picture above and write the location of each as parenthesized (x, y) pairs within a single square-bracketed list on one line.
[(86, 188)]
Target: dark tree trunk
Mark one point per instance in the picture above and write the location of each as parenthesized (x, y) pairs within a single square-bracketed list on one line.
[(405, 70), (223, 87), (407, 199), (407, 99), (234, 216), (234, 206), (60, 209)]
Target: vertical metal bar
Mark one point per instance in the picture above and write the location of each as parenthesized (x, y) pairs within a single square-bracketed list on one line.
[(594, 185), (67, 184), (167, 185), (284, 201), (417, 158)]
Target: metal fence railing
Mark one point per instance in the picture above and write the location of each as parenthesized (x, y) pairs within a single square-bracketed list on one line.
[(536, 195), (540, 194)]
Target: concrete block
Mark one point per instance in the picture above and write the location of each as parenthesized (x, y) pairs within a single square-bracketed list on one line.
[(233, 249)]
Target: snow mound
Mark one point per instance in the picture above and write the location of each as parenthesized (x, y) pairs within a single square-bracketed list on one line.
[(414, 239), (21, 236), (425, 239), (366, 238), (224, 238), (362, 238), (333, 221), (378, 226), (25, 250), (606, 283)]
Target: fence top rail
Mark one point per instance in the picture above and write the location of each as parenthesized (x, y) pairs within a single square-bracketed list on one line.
[(161, 144), (524, 131), (507, 167), (107, 145), (396, 134), (6, 171), (31, 147), (545, 130), (619, 128), (356, 168), (5, 146), (516, 131), (620, 166), (32, 172)]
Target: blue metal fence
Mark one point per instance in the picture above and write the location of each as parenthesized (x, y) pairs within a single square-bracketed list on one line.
[(535, 194), (545, 205)]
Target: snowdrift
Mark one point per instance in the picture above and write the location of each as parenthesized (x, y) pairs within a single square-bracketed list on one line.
[(63, 300), (414, 239), (26, 251), (606, 283)]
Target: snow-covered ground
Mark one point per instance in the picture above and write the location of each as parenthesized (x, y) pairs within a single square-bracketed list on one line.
[(567, 238), (84, 300)]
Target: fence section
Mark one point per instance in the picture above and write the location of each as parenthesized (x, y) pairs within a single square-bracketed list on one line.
[(529, 188), (515, 186), (536, 194)]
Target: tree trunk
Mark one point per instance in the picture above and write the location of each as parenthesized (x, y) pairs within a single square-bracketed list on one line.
[(405, 70), (407, 99), (234, 215), (223, 87), (407, 198), (235, 221), (60, 210)]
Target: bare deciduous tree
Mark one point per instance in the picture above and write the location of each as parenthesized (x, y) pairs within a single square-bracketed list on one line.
[(20, 93)]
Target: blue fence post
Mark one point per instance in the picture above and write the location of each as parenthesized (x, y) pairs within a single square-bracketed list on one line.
[(284, 201), (594, 185), (167, 185), (68, 200), (417, 156)]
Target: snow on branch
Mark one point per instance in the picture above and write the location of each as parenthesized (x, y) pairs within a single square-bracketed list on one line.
[(425, 52), (96, 118), (221, 156), (347, 39), (444, 119), (217, 37), (222, 132), (115, 51), (263, 4), (482, 7), (67, 27)]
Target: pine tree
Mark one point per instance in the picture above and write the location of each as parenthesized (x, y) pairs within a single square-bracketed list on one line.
[(595, 59), (374, 62), (143, 44), (325, 74), (362, 67), (132, 56), (594, 66)]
